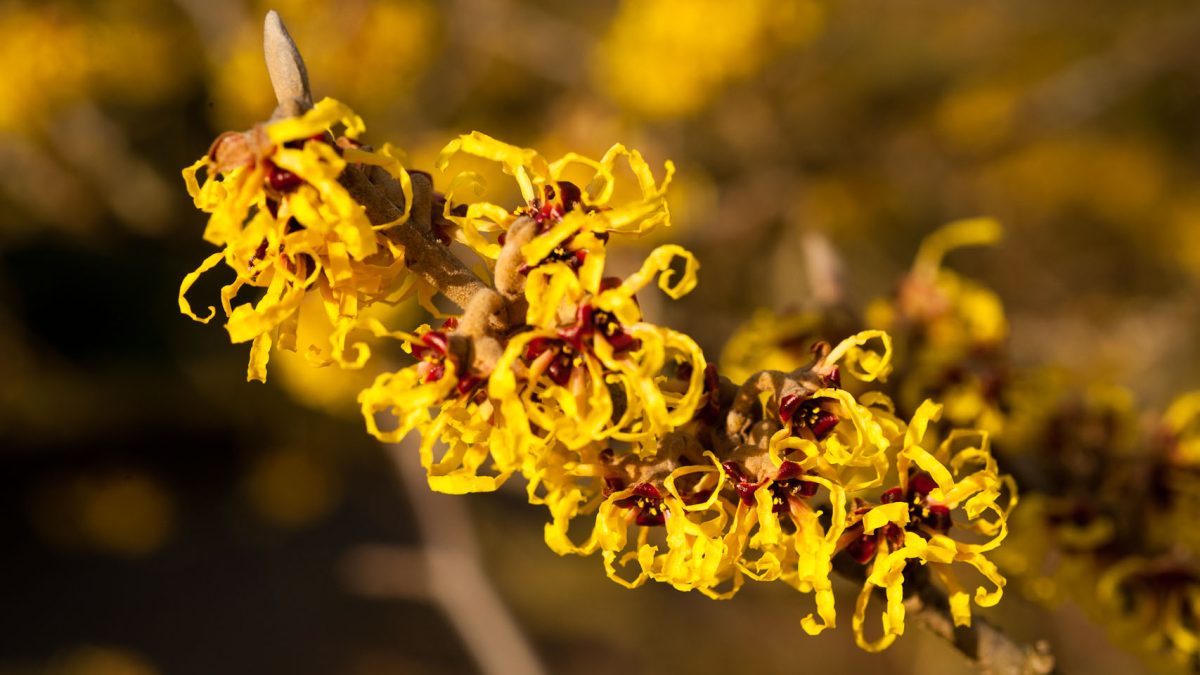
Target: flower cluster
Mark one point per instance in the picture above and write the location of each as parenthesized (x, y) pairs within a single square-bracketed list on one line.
[(813, 473), (581, 366), (1120, 531), (286, 225), (639, 450), (1108, 492)]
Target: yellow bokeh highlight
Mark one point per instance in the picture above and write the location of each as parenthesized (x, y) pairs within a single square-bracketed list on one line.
[(668, 58), (54, 56), (126, 513), (289, 488), (99, 660)]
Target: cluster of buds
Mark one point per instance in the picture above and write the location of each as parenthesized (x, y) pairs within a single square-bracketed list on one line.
[(636, 445)]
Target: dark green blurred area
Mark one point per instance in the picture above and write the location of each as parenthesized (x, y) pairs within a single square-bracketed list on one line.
[(160, 515)]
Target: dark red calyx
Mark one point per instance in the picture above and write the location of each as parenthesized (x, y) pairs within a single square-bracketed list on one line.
[(819, 421), (823, 425), (537, 346), (581, 330), (651, 515), (647, 490), (260, 252), (894, 534), (623, 342), (745, 491), (558, 199), (570, 195), (468, 383), (807, 488), (443, 232), (788, 471), (559, 370), (790, 479), (647, 500), (863, 548), (741, 483), (920, 485), (891, 496), (733, 471), (435, 346), (546, 213), (609, 283), (798, 487), (500, 239), (450, 324), (937, 518), (788, 405), (437, 341), (282, 180), (612, 484), (698, 497)]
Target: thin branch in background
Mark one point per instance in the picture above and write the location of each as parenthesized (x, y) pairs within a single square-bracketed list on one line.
[(823, 265), (444, 570), (456, 580)]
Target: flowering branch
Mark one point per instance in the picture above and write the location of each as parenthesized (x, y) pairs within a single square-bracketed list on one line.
[(619, 426)]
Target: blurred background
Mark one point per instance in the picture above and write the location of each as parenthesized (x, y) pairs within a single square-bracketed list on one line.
[(160, 515)]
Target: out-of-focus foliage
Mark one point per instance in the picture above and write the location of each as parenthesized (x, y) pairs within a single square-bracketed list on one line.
[(1072, 122)]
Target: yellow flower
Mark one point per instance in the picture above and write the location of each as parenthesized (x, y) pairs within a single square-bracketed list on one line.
[(801, 555), (462, 421), (560, 209), (951, 329), (555, 381), (914, 521), (661, 58), (287, 226), (693, 552), (1154, 603)]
